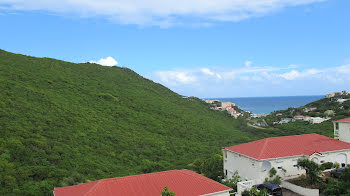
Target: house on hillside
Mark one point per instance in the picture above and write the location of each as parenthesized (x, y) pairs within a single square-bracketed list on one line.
[(299, 117), (317, 120), (253, 160), (342, 100), (227, 104), (181, 182), (310, 109), (342, 129)]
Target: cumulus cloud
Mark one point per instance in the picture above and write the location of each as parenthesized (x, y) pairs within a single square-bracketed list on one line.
[(248, 63), (158, 12), (109, 61), (225, 81), (207, 71), (290, 75), (294, 74), (176, 77)]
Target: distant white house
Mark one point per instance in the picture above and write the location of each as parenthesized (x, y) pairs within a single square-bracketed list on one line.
[(341, 100), (299, 117), (342, 129), (253, 160), (316, 120)]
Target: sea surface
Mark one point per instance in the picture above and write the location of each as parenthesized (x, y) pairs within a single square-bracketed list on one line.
[(265, 105)]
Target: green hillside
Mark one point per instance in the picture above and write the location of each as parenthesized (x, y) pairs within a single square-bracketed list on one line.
[(63, 123), (326, 108)]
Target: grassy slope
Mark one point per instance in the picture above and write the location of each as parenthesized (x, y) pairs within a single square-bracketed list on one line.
[(63, 123)]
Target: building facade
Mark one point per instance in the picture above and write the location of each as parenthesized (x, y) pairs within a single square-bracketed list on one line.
[(254, 160), (342, 129)]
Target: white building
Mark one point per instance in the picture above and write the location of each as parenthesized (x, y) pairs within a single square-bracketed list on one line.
[(253, 160), (317, 120), (342, 129), (341, 100)]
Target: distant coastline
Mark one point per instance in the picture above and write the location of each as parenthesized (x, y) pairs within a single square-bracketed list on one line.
[(266, 105)]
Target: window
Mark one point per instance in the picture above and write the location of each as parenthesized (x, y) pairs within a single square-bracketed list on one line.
[(226, 172), (295, 163), (322, 161), (336, 125), (279, 164)]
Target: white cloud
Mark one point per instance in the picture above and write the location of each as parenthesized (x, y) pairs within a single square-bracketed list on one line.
[(290, 75), (109, 61), (294, 74), (158, 12), (176, 77), (248, 63), (261, 80), (344, 69), (207, 71)]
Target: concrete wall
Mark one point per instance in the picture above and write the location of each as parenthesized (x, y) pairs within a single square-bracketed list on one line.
[(245, 185), (344, 131), (300, 190), (251, 169), (246, 167)]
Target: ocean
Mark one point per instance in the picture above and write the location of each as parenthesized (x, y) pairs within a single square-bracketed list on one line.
[(265, 105)]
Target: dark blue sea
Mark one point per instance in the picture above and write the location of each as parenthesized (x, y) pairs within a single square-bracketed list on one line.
[(265, 105)]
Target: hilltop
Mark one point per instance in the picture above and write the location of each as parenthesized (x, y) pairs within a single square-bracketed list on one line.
[(63, 123)]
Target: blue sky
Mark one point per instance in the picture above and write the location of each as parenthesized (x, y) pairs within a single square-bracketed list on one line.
[(229, 48)]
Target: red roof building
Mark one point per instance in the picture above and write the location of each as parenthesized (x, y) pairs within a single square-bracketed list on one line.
[(253, 160), (343, 120), (286, 146), (182, 182), (342, 129)]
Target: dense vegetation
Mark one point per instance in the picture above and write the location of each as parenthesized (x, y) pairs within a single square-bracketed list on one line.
[(326, 107), (63, 123)]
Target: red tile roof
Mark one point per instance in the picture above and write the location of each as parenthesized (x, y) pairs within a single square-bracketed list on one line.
[(182, 182), (343, 120), (286, 146)]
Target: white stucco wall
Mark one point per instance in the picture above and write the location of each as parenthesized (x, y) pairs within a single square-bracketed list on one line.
[(252, 169), (246, 167), (344, 131)]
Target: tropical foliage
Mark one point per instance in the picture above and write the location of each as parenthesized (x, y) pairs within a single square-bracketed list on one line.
[(63, 123)]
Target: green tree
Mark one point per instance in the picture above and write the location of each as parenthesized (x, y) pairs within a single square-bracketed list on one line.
[(213, 167), (338, 187), (167, 192), (273, 177), (232, 182), (313, 170)]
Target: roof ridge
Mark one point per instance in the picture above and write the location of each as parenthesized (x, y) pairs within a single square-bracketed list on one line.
[(263, 148), (93, 187)]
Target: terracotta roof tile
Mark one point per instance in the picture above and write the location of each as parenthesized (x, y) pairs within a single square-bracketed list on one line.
[(182, 182), (343, 120), (285, 146)]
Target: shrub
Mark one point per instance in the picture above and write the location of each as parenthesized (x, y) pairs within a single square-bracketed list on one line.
[(274, 179), (327, 165), (336, 165)]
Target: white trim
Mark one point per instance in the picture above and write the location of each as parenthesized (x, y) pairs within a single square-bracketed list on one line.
[(228, 190), (301, 155)]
